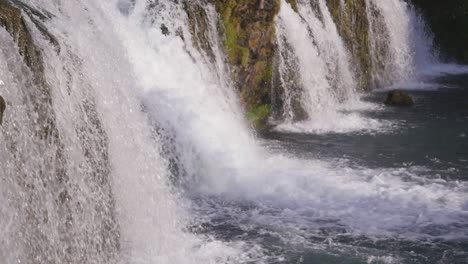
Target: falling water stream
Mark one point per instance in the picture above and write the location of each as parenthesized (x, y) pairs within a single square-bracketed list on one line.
[(147, 157), (316, 74)]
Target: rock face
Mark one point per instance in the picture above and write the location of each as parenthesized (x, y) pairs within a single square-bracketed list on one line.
[(12, 20), (2, 108), (249, 41), (248, 30), (448, 20), (250, 44), (353, 26), (398, 98)]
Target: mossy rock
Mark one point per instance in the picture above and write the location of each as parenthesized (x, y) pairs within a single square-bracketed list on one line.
[(353, 26), (250, 44), (259, 115), (399, 98)]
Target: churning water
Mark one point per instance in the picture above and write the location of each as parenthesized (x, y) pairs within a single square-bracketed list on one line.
[(155, 163)]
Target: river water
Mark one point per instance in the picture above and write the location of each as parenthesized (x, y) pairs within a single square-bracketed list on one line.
[(407, 178)]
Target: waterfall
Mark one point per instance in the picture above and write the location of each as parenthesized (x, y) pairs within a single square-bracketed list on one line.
[(401, 47), (187, 103), (320, 93), (316, 73), (124, 141), (85, 181)]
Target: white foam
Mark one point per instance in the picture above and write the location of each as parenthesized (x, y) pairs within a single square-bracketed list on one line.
[(336, 122), (298, 198), (427, 78), (439, 69), (223, 159), (192, 103)]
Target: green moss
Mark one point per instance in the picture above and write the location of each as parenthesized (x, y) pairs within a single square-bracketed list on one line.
[(244, 57), (264, 73), (249, 43), (236, 54), (230, 40), (268, 73), (258, 115)]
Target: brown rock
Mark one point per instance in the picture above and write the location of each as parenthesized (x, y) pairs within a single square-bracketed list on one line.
[(398, 98)]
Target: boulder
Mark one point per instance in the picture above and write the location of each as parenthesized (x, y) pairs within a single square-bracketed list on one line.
[(398, 98)]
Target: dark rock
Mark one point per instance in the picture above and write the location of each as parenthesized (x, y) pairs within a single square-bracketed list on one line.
[(398, 98), (2, 108), (448, 20), (164, 30), (199, 26)]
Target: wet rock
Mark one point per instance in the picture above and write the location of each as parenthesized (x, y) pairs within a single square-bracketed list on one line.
[(164, 30), (249, 42), (353, 26), (398, 98), (12, 20), (2, 108)]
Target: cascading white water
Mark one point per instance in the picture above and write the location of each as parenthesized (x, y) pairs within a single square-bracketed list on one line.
[(188, 102), (225, 163), (136, 76), (402, 48), (400, 45), (316, 74), (96, 81)]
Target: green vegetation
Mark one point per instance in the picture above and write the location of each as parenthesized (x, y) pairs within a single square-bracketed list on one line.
[(236, 53), (250, 45), (258, 115)]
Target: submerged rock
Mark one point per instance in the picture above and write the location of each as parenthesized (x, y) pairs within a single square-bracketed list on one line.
[(2, 108), (398, 98)]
